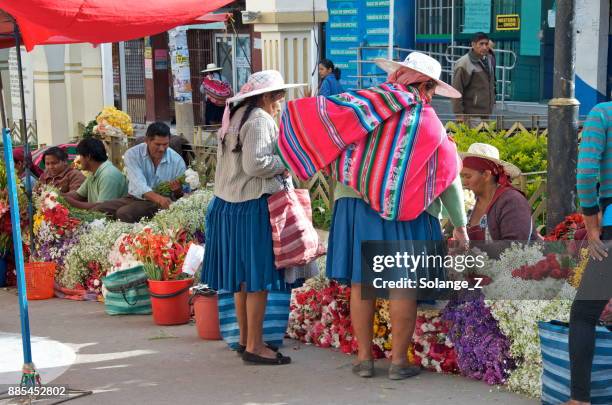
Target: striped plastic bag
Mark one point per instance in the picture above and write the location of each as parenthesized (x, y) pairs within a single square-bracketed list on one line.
[(127, 292), (294, 238), (275, 319), (556, 366)]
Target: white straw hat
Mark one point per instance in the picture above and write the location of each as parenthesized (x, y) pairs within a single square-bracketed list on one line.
[(262, 82), (211, 67), (490, 152), (423, 65)]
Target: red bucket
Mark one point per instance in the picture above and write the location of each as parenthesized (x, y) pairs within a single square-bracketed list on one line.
[(170, 301), (206, 308), (39, 278)]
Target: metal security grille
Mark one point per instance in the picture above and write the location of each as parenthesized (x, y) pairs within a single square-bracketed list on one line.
[(135, 80), (434, 30), (200, 43), (434, 33)]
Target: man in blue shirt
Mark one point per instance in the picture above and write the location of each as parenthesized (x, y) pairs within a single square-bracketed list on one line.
[(148, 165)]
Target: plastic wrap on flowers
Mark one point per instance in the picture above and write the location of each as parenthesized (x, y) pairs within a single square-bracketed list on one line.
[(483, 351), (433, 349), (319, 314), (519, 321)]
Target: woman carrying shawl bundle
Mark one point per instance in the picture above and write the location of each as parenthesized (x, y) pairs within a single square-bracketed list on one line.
[(397, 168)]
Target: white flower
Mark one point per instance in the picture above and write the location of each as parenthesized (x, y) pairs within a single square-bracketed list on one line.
[(192, 178), (469, 199)]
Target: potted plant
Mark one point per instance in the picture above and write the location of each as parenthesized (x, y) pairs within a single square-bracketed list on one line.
[(162, 255)]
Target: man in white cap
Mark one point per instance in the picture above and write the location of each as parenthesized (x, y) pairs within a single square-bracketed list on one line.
[(215, 89)]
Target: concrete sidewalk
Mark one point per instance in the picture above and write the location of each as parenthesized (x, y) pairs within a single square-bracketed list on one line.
[(130, 360)]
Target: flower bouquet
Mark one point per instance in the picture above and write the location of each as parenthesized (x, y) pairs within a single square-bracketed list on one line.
[(433, 349), (483, 351), (55, 230), (189, 181)]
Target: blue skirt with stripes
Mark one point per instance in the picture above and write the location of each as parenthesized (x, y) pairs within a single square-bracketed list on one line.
[(239, 247), (355, 221)]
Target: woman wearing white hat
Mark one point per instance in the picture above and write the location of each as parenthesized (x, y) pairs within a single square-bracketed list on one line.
[(501, 212), (239, 255), (354, 221), (215, 89)]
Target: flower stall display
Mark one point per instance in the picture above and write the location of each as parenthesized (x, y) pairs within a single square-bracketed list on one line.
[(432, 347), (188, 213), (55, 230), (482, 350), (319, 315), (162, 254), (110, 121), (518, 320), (89, 259), (6, 238)]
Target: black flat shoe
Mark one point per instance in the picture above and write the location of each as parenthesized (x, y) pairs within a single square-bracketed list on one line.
[(252, 358), (241, 348)]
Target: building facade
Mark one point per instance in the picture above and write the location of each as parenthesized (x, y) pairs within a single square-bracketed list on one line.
[(523, 31)]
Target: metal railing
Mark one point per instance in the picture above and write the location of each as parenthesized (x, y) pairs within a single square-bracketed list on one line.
[(447, 59), (452, 58)]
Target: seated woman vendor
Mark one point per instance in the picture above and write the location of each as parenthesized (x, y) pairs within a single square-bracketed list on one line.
[(501, 212)]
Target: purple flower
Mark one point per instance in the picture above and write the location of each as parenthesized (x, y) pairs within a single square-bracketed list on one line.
[(483, 351)]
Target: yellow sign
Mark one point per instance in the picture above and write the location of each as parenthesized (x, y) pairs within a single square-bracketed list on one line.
[(507, 22), (148, 52)]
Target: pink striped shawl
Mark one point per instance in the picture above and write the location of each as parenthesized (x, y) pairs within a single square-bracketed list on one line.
[(383, 142)]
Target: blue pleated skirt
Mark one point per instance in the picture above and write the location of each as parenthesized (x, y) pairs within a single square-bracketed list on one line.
[(239, 247), (355, 221)]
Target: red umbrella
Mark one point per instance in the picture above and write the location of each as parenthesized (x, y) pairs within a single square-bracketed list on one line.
[(43, 22)]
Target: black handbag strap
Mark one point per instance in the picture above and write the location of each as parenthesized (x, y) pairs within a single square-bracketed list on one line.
[(126, 286), (123, 288)]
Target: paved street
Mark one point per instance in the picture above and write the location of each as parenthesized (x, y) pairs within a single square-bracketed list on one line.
[(129, 360)]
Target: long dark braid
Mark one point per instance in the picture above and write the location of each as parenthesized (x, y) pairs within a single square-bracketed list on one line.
[(251, 104)]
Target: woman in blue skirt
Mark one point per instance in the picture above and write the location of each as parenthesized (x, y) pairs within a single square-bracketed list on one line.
[(239, 255), (355, 221)]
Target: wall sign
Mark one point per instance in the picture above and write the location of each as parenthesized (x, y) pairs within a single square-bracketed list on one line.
[(507, 22), (477, 16)]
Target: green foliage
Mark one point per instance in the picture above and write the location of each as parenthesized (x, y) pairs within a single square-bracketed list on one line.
[(88, 132), (527, 150), (152, 271), (321, 214)]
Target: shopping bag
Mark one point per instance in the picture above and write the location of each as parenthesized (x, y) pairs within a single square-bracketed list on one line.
[(275, 319), (556, 365), (294, 238), (127, 292)]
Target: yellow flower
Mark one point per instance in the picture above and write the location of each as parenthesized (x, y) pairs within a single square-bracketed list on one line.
[(38, 218), (576, 275)]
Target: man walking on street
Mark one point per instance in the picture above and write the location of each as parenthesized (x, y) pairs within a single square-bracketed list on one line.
[(474, 78)]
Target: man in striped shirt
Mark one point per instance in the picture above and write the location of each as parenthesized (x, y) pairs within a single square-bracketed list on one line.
[(595, 194)]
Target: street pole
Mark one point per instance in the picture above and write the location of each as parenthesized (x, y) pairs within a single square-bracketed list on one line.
[(562, 121)]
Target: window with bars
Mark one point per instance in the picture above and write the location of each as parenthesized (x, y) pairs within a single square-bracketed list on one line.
[(135, 80), (200, 43), (434, 33)]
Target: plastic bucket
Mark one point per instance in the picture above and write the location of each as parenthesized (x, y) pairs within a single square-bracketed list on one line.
[(206, 308), (170, 301), (39, 278)]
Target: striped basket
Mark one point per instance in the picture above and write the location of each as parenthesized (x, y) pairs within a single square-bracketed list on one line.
[(127, 292), (556, 367), (275, 320)]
